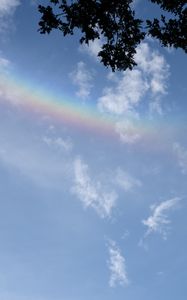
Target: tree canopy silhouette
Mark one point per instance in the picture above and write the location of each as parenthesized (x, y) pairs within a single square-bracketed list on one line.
[(115, 22)]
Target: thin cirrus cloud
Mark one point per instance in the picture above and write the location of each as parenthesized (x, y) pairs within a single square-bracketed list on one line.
[(126, 181), (150, 75), (7, 9), (58, 143), (91, 192), (117, 266), (159, 221), (92, 49), (82, 78), (22, 151), (181, 154), (128, 90), (154, 66), (127, 132), (125, 95), (4, 63), (155, 70), (8, 6), (7, 94), (35, 164)]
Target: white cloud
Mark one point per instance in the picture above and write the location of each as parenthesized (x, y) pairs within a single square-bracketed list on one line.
[(8, 7), (159, 221), (128, 89), (4, 63), (126, 95), (155, 71), (127, 131), (35, 164), (151, 75), (59, 143), (154, 66), (117, 266), (4, 69), (90, 192), (12, 95), (82, 78), (181, 154), (126, 181), (92, 49), (23, 153)]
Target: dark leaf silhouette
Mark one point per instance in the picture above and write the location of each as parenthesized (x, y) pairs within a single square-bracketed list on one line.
[(115, 22)]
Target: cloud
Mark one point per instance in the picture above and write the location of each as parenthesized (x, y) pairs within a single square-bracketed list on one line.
[(154, 67), (92, 49), (117, 266), (126, 95), (127, 131), (82, 78), (159, 221), (7, 9), (127, 90), (181, 154), (22, 152), (126, 181), (155, 70), (151, 75), (7, 94), (21, 148), (11, 95), (92, 193), (58, 143), (101, 193), (4, 63), (35, 164)]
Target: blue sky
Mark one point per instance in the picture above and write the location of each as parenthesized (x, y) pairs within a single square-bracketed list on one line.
[(87, 214)]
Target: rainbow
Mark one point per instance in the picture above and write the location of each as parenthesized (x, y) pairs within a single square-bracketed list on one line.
[(79, 115), (73, 113)]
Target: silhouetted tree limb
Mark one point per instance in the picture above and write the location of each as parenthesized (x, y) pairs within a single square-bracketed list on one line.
[(115, 22)]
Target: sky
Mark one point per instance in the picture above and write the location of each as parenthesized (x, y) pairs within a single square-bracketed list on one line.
[(93, 167)]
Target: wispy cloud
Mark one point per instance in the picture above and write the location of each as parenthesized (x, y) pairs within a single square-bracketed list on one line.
[(7, 9), (127, 91), (154, 67), (4, 63), (125, 95), (36, 165), (181, 154), (117, 266), (92, 49), (126, 181), (130, 87), (155, 71), (128, 132), (91, 192), (23, 152), (159, 220), (59, 143), (83, 79), (8, 6)]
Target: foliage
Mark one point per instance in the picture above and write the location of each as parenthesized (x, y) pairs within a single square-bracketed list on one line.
[(115, 22)]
